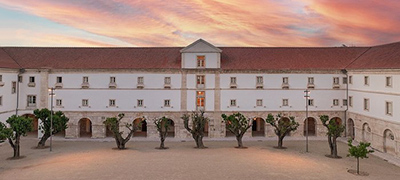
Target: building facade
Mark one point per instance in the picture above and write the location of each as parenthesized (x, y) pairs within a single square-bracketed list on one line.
[(358, 86)]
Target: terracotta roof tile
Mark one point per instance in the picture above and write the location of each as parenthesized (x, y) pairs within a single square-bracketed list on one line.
[(379, 57), (6, 61)]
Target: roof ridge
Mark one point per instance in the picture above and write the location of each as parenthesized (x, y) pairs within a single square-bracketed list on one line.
[(11, 57), (355, 59)]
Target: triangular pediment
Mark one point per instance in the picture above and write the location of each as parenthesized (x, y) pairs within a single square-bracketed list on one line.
[(201, 46)]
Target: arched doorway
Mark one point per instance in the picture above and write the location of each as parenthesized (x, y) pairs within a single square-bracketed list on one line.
[(258, 128), (35, 124), (142, 125), (366, 133), (337, 120), (171, 128), (389, 144), (85, 127), (109, 132), (350, 128), (285, 120), (311, 126)]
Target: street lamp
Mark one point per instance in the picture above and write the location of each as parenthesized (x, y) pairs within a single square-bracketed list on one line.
[(51, 90), (307, 96)]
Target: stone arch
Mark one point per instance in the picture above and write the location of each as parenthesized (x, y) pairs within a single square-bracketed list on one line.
[(366, 133), (337, 120), (171, 129), (285, 120), (85, 127), (389, 143), (258, 128), (142, 125), (350, 128), (35, 124), (311, 126)]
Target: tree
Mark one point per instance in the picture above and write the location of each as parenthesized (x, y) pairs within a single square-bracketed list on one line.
[(238, 124), (162, 125), (197, 130), (335, 129), (113, 124), (359, 151), (59, 124), (283, 126), (18, 126)]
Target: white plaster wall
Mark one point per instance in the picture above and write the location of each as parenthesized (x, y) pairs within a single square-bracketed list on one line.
[(192, 80), (190, 60), (25, 90), (9, 100)]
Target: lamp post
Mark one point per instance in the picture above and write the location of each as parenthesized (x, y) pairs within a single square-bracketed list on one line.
[(307, 96), (51, 117)]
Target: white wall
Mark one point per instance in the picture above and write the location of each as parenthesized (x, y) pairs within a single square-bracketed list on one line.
[(211, 60), (9, 100)]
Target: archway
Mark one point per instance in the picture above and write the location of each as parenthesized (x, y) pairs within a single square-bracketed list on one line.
[(311, 126), (35, 124), (109, 132), (171, 128), (142, 125), (258, 128), (350, 128), (286, 121), (366, 133), (337, 120), (389, 144), (85, 127)]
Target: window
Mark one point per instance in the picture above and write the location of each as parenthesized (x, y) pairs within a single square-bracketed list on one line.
[(200, 79), (366, 80), (351, 101), (13, 87), (233, 80), (140, 80), (311, 102), (260, 80), (85, 102), (1, 100), (20, 79), (350, 79), (31, 101), (167, 102), (167, 80), (388, 81), (233, 102), (111, 102), (285, 80), (344, 102), (85, 79), (259, 102), (310, 80), (200, 97), (112, 79), (344, 80), (1, 78), (32, 79), (59, 79), (140, 102), (201, 61), (366, 104), (58, 102), (336, 102), (336, 80), (389, 108), (285, 102)]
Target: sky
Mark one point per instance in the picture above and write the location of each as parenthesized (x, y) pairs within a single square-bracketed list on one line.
[(166, 23)]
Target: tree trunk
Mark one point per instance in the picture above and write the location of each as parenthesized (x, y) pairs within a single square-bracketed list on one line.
[(280, 142), (162, 144), (16, 147), (200, 142), (358, 166), (330, 144), (42, 141), (239, 141), (334, 148)]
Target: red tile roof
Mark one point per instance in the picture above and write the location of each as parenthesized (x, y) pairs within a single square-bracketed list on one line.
[(237, 58)]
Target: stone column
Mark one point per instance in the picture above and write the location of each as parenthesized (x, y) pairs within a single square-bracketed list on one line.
[(184, 92)]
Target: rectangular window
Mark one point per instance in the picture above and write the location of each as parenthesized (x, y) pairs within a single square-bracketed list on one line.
[(167, 80), (32, 79), (351, 101), (285, 102), (310, 80), (389, 108), (336, 102), (59, 79), (285, 80), (13, 87), (140, 102), (140, 80), (344, 102), (200, 79), (20, 79), (366, 104), (85, 102), (366, 80), (58, 102), (1, 78), (167, 103), (1, 100), (31, 101), (336, 80), (233, 80), (311, 102), (111, 102), (112, 79), (344, 80), (85, 79), (260, 80), (233, 102), (259, 102), (388, 81), (201, 61), (350, 79), (200, 98)]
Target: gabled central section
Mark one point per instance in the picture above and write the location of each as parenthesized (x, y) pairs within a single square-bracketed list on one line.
[(201, 55)]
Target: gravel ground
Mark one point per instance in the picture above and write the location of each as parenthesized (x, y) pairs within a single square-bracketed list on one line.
[(98, 160)]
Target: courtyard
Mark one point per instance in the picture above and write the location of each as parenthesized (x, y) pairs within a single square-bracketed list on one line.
[(97, 159)]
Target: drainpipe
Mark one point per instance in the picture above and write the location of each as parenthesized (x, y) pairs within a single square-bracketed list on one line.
[(344, 71), (21, 71)]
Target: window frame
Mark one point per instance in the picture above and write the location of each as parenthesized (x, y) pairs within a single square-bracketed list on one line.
[(310, 82), (31, 100), (259, 102), (233, 103), (59, 79), (336, 80), (201, 61), (85, 102), (85, 79), (31, 79), (366, 104), (139, 102), (285, 79), (389, 109), (366, 80), (285, 100), (58, 102), (167, 103), (389, 81), (335, 102), (112, 102)]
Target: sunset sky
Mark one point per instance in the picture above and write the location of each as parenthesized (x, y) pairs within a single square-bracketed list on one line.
[(178, 23)]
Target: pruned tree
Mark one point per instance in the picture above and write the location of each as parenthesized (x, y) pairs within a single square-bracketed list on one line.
[(162, 125), (113, 124), (238, 124), (359, 151), (18, 126), (197, 130), (282, 127), (59, 124), (335, 129)]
